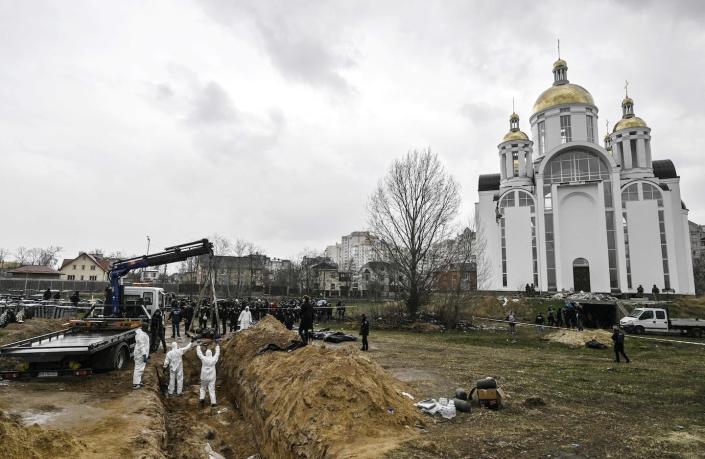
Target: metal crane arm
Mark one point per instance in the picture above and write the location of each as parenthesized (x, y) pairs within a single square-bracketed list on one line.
[(173, 254)]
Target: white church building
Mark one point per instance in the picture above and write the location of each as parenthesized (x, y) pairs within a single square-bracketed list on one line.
[(565, 213)]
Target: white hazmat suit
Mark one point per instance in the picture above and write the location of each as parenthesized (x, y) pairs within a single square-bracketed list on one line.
[(245, 319), (174, 360), (208, 362), (141, 353)]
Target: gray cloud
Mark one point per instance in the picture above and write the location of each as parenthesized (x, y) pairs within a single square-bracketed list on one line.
[(298, 44), (237, 117)]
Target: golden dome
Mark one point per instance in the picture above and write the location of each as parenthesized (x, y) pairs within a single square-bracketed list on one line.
[(628, 123), (562, 94), (627, 101), (515, 135), (560, 63)]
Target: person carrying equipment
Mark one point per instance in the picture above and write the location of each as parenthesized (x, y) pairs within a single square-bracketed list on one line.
[(174, 360), (208, 362), (141, 354)]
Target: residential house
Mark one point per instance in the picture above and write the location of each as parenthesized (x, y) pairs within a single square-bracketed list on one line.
[(36, 272), (86, 267)]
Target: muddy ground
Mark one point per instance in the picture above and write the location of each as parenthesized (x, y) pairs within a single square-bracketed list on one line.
[(564, 401)]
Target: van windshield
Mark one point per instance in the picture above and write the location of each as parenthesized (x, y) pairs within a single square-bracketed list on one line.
[(635, 313)]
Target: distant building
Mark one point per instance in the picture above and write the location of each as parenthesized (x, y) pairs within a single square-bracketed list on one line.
[(697, 240), (149, 275), (86, 267), (36, 272), (353, 250), (239, 275), (375, 279)]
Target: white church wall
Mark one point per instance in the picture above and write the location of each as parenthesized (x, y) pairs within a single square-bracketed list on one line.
[(580, 233), (680, 260), (644, 244), (491, 278), (518, 240)]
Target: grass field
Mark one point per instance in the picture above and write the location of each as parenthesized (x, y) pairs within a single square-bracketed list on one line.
[(652, 407)]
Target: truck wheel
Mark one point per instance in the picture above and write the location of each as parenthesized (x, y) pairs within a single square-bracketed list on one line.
[(120, 356), (696, 332), (114, 358), (639, 330)]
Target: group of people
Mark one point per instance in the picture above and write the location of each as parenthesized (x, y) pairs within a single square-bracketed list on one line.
[(571, 315), (174, 362), (149, 336)]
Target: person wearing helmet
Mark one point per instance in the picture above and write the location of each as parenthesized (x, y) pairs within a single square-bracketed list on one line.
[(208, 362), (174, 360), (140, 354)]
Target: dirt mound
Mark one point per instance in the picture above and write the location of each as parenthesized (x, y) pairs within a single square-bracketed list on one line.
[(575, 338), (19, 441), (19, 331), (32, 327), (314, 402), (423, 327)]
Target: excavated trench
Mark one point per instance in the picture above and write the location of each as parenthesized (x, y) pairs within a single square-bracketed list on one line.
[(312, 402), (319, 401)]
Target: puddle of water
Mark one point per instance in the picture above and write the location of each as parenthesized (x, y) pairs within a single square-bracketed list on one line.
[(39, 417)]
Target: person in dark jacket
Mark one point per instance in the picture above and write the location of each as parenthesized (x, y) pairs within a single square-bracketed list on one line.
[(539, 323), (655, 291), (364, 332), (75, 298), (306, 323), (175, 317), (156, 331), (618, 340), (47, 295), (187, 314), (640, 291)]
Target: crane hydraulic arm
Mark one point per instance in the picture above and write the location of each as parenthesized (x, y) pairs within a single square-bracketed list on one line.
[(170, 255)]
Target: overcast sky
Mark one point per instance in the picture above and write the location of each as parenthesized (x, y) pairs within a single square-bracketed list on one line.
[(273, 121)]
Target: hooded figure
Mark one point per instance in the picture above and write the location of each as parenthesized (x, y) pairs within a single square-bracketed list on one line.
[(174, 360), (245, 319), (141, 354), (208, 362)]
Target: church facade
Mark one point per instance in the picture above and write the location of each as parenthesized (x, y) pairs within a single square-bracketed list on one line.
[(566, 213)]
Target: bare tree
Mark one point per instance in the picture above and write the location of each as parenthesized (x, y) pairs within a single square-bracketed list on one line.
[(22, 256), (3, 254), (38, 256), (411, 211)]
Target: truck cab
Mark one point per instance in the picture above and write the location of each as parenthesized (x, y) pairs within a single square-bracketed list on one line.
[(150, 297), (643, 320), (136, 297)]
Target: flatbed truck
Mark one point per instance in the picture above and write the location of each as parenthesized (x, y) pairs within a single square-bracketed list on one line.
[(658, 320), (105, 338)]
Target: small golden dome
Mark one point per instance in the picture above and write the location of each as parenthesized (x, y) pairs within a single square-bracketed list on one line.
[(562, 95), (627, 101), (515, 135), (560, 63), (514, 117), (629, 123)]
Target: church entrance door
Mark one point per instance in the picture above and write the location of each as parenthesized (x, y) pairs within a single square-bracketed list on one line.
[(581, 275)]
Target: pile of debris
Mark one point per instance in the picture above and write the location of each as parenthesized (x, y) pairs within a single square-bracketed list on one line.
[(584, 297), (575, 338), (28, 442), (315, 401)]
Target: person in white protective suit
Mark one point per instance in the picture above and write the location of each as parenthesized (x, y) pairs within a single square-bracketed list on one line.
[(174, 360), (141, 354), (245, 319), (208, 362)]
